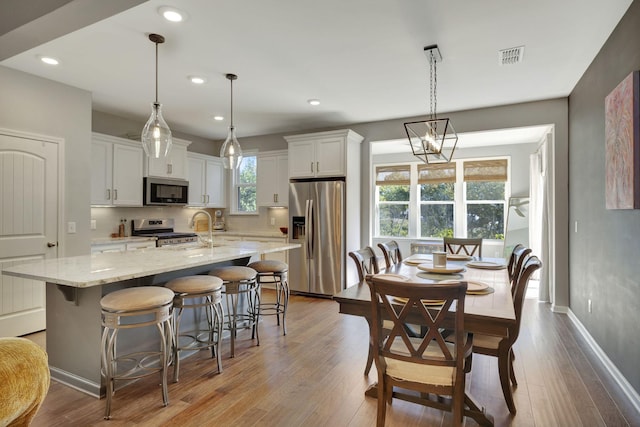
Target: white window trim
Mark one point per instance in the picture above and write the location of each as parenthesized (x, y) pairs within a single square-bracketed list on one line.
[(459, 203), (234, 193)]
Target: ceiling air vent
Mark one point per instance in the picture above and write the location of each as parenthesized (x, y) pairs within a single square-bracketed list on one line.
[(510, 56)]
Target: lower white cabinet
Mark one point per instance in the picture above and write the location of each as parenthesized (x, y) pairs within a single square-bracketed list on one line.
[(206, 181)]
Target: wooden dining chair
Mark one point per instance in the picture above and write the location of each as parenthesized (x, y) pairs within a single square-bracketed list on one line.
[(456, 245), (515, 263), (391, 252), (366, 263), (502, 348), (427, 364)]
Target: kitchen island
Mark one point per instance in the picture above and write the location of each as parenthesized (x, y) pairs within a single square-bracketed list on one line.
[(75, 286)]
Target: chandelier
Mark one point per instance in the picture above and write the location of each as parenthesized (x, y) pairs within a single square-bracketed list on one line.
[(433, 140)]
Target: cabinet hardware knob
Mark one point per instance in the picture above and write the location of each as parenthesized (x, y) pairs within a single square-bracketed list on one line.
[(115, 194), (169, 168), (108, 194), (317, 167), (52, 244)]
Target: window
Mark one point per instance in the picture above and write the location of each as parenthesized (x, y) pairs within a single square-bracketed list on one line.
[(485, 182), (244, 185), (463, 198), (437, 199), (393, 199)]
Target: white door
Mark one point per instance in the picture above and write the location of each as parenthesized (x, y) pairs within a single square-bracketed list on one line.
[(28, 227)]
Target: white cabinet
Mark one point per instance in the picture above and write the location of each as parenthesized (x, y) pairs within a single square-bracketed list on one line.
[(172, 166), (322, 154), (116, 171), (147, 244), (273, 179), (206, 176)]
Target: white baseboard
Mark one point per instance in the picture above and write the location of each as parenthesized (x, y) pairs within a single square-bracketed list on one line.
[(562, 309), (622, 382)]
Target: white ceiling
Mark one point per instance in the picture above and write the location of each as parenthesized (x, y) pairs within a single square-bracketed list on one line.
[(362, 58)]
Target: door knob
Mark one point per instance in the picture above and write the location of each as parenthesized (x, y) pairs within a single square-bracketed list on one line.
[(52, 244)]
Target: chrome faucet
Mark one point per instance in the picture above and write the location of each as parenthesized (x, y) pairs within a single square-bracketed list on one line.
[(192, 223)]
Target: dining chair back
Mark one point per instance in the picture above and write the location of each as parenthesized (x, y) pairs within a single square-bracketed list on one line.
[(502, 347), (426, 364), (391, 252), (515, 263), (366, 262), (455, 245)]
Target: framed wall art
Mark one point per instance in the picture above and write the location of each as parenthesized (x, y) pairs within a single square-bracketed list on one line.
[(622, 145)]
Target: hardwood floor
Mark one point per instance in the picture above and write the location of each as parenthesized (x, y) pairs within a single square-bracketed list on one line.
[(314, 377)]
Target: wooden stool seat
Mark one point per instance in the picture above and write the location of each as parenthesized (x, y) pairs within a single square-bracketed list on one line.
[(135, 308), (198, 293), (274, 271), (238, 281)]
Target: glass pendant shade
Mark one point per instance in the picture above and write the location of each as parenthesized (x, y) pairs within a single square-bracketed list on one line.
[(230, 151), (156, 135), (433, 141)]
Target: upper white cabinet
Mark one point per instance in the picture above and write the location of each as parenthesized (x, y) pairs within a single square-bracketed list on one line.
[(172, 166), (116, 171), (322, 154), (206, 181), (273, 179)]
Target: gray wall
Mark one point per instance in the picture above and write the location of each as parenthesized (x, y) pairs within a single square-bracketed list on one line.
[(604, 252), (35, 105)]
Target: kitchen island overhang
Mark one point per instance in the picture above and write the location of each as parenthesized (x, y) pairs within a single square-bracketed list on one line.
[(75, 286)]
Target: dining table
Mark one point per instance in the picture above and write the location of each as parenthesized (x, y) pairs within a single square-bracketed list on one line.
[(488, 307)]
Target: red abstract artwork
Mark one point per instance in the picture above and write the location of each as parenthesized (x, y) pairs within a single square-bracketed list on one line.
[(622, 145)]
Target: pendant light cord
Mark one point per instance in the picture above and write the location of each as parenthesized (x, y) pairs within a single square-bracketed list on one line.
[(433, 82), (156, 72), (231, 80)]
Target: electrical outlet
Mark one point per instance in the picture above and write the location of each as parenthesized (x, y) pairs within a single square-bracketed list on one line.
[(273, 221), (575, 226), (589, 305), (93, 224), (71, 227)]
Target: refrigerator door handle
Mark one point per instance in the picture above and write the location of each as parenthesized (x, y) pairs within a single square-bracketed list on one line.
[(310, 232)]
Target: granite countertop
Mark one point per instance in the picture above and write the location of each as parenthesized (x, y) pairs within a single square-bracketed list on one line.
[(99, 269), (262, 233)]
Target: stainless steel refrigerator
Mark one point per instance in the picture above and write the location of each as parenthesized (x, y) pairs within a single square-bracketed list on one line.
[(317, 222)]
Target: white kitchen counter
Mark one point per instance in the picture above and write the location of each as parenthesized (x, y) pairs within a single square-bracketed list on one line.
[(100, 269), (257, 234), (75, 286), (128, 239)]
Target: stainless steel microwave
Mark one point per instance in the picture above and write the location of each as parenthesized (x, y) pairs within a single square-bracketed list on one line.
[(165, 191)]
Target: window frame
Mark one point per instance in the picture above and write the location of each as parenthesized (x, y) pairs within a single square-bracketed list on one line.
[(460, 201), (236, 185)]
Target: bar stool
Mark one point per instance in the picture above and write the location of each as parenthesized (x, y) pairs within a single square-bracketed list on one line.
[(135, 308), (240, 281), (197, 292), (273, 271)]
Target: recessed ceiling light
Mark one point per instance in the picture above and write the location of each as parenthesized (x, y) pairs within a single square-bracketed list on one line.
[(314, 102), (197, 80), (49, 60), (218, 118), (172, 14)]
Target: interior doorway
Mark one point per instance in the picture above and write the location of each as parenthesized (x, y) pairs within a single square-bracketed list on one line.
[(28, 225)]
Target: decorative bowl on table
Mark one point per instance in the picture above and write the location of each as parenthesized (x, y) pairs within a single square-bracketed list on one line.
[(285, 230)]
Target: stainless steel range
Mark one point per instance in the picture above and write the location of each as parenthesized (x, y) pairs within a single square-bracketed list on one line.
[(162, 229)]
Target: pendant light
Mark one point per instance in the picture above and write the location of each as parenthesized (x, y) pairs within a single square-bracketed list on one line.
[(230, 151), (156, 135), (433, 140)]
